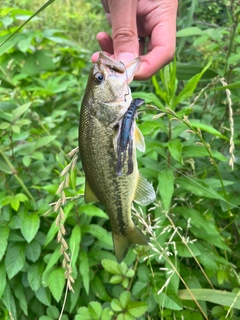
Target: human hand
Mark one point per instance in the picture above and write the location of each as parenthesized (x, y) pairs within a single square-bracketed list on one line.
[(155, 22)]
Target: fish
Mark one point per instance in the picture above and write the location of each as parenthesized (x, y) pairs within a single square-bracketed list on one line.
[(125, 139), (106, 100)]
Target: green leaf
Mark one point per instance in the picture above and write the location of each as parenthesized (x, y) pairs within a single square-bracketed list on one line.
[(20, 294), (200, 151), (44, 296), (116, 305), (185, 71), (125, 298), (149, 97), (54, 257), (15, 259), (51, 233), (15, 203), (4, 234), (183, 250), (235, 85), (34, 276), (223, 298), (99, 290), (207, 128), (33, 251), (116, 279), (170, 300), (74, 298), (30, 226), (9, 302), (189, 32), (3, 278), (198, 188), (190, 86), (137, 309), (74, 244), (92, 211), (166, 187), (20, 110), (84, 270), (53, 312), (83, 313), (56, 283), (27, 160), (100, 233), (44, 141), (107, 314), (111, 266), (175, 148), (95, 310), (30, 66), (21, 197)]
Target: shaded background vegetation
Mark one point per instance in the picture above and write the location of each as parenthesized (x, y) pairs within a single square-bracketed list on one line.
[(192, 159)]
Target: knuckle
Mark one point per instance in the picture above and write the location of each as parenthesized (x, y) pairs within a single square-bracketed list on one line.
[(123, 35)]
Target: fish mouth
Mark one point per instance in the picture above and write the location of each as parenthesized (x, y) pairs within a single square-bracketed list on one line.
[(110, 63), (113, 66), (118, 74)]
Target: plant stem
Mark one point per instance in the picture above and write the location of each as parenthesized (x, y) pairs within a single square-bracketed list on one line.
[(14, 171)]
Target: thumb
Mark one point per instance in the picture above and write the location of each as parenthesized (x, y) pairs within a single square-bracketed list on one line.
[(124, 29)]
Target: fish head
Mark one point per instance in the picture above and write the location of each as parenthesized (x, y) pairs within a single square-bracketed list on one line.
[(108, 91)]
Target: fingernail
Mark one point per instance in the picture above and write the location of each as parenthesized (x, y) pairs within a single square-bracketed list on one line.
[(125, 57)]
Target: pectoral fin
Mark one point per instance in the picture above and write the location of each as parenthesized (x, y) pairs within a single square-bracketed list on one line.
[(89, 195), (139, 139), (144, 193)]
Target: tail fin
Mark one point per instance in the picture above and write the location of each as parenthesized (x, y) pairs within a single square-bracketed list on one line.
[(123, 243)]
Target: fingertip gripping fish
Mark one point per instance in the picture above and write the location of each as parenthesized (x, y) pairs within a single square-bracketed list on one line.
[(107, 128)]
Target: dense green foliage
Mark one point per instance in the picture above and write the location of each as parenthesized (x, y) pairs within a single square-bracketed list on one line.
[(56, 254)]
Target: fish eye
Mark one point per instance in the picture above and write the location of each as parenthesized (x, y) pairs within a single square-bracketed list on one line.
[(98, 77)]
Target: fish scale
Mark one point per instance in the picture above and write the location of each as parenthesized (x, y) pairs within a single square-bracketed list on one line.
[(106, 100)]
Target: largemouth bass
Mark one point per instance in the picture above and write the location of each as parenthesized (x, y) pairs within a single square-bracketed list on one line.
[(106, 100)]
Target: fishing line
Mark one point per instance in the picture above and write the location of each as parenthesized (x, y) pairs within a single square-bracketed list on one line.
[(128, 88)]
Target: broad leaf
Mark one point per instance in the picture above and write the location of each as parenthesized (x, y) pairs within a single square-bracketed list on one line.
[(4, 233), (223, 298), (188, 32), (95, 310), (15, 259), (44, 296), (9, 302), (56, 283), (137, 308), (20, 294), (166, 187), (34, 276), (92, 211), (74, 244), (30, 225), (84, 270), (3, 279), (33, 251)]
